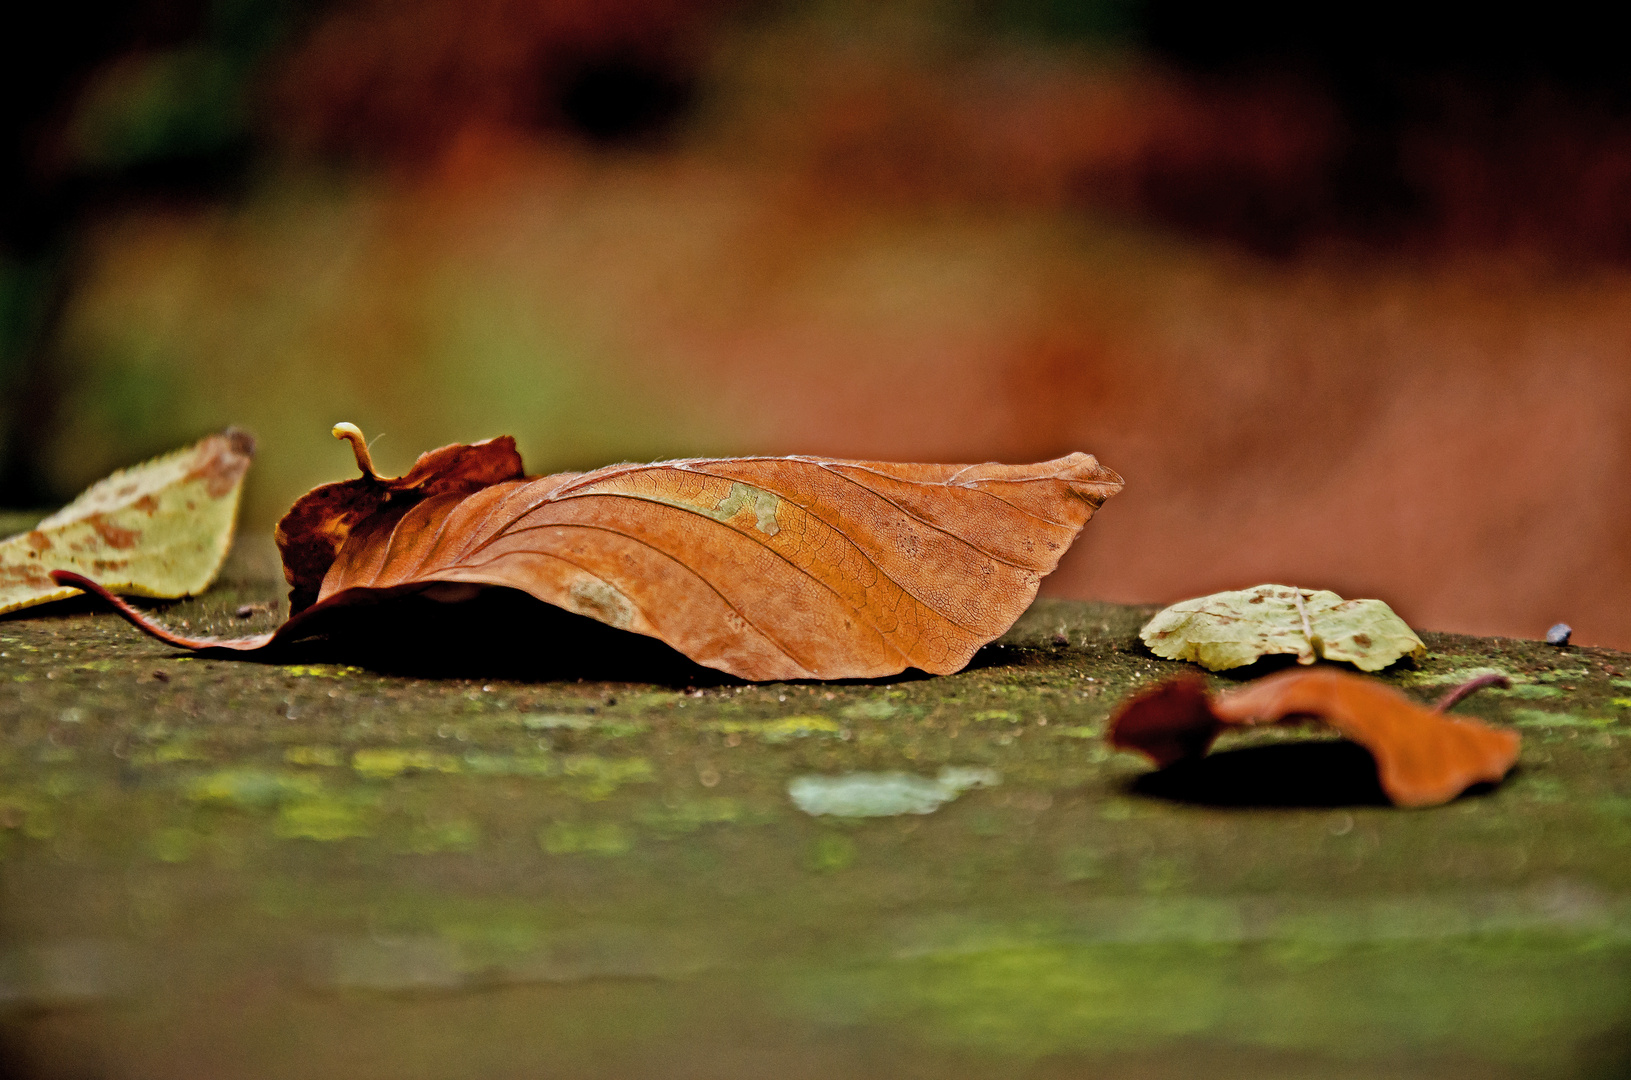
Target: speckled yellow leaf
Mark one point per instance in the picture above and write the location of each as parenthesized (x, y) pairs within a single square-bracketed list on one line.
[(158, 529), (1231, 629)]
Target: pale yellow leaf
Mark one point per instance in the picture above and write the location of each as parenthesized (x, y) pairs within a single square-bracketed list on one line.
[(158, 529), (1232, 629)]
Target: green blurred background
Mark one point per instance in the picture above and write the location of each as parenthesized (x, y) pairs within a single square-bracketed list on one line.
[(1343, 295)]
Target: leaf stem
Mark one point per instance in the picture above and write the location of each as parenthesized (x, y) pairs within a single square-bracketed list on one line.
[(151, 626), (1471, 686), (359, 446)]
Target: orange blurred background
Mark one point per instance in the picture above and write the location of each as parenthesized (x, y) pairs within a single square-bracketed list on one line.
[(1349, 307)]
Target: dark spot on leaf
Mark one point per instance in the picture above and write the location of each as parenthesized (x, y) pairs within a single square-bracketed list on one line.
[(222, 461), (112, 535)]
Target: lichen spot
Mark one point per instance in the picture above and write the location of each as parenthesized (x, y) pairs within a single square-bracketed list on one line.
[(744, 496), (599, 600)]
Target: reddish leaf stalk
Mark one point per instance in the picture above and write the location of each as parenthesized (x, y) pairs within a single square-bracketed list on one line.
[(1470, 687)]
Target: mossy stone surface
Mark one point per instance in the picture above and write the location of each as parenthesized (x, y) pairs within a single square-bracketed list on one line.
[(344, 866)]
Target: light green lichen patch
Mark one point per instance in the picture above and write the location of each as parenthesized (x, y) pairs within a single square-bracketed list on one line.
[(643, 700), (606, 838), (322, 818), (1532, 691), (604, 727), (384, 763), (830, 853), (328, 757), (321, 671), (1544, 718), (599, 776), (1432, 674), (876, 709), (1563, 675), (620, 729), (1499, 998), (689, 815), (535, 763), (556, 722), (777, 732), (249, 788), (175, 844), (435, 837)]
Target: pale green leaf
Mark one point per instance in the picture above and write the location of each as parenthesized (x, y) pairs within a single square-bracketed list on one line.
[(159, 529), (1232, 629)]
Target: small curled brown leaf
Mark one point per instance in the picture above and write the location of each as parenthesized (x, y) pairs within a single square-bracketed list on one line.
[(1168, 722), (1423, 758), (317, 526)]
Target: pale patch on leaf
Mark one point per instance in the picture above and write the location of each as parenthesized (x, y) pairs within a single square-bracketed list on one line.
[(158, 529), (1232, 629)]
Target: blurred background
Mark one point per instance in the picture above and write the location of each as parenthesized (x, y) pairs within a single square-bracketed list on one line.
[(1345, 296)]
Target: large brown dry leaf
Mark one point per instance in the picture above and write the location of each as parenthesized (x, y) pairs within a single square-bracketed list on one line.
[(766, 568), (1423, 757), (157, 529)]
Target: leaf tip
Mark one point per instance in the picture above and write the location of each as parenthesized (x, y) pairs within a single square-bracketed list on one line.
[(241, 441), (1168, 722)]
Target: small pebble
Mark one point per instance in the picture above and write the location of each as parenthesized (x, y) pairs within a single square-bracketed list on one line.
[(1559, 634)]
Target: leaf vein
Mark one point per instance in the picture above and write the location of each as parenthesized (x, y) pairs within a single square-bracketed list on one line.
[(677, 561)]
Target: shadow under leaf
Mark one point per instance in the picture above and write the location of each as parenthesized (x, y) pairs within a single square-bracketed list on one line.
[(496, 634), (1316, 773)]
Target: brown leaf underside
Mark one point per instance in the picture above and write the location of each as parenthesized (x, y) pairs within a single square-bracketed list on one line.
[(1423, 758), (766, 568)]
